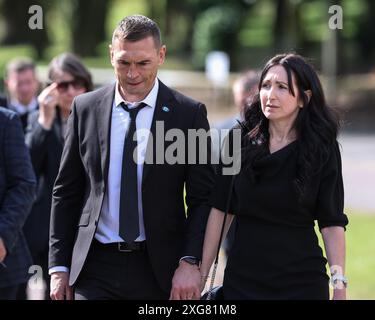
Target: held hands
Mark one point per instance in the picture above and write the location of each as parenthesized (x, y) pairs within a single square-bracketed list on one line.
[(47, 106), (186, 282), (60, 289)]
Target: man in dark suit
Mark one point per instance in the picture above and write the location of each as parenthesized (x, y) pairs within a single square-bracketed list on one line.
[(22, 85), (118, 226), (17, 191)]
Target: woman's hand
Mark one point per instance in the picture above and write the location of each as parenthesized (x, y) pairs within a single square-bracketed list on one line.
[(339, 294), (47, 106)]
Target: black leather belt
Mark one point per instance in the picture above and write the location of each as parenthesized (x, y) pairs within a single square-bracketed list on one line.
[(121, 246)]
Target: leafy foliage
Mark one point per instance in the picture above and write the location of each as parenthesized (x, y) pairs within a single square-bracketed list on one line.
[(215, 29)]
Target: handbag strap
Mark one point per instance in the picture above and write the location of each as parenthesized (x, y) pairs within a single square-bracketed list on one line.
[(221, 238)]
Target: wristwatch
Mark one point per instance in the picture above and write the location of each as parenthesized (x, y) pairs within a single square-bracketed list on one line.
[(339, 278), (191, 260)]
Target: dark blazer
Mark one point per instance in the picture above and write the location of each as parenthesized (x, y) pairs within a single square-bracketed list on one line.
[(45, 150), (17, 191), (82, 181), (4, 102)]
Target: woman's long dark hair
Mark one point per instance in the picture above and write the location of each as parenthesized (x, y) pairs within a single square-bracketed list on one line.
[(71, 64), (316, 124)]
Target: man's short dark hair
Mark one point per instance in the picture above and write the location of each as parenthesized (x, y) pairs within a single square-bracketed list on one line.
[(19, 65), (248, 80), (137, 27)]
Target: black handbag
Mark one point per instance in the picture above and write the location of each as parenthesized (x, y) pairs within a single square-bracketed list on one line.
[(216, 293)]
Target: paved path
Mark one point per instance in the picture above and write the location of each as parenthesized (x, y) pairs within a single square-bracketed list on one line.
[(358, 163)]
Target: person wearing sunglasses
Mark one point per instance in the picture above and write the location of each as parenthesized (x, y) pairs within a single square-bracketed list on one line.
[(45, 138), (68, 78)]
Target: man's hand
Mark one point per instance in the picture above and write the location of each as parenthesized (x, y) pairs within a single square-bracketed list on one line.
[(3, 250), (60, 289), (186, 282)]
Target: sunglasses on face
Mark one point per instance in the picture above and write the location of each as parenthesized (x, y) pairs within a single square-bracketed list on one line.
[(76, 83)]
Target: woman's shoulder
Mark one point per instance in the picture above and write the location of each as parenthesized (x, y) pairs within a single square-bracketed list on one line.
[(335, 150), (333, 162)]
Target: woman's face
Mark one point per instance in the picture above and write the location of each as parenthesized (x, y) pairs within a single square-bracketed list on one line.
[(278, 104), (68, 88)]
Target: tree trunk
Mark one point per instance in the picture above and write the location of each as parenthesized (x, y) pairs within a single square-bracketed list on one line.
[(365, 36), (88, 29), (285, 32)]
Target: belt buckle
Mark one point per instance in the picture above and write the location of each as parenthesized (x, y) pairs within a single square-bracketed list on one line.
[(119, 246)]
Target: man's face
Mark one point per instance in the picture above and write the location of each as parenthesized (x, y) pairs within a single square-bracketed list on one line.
[(22, 86), (136, 64)]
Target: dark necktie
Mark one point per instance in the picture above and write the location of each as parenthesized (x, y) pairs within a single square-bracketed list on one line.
[(129, 221)]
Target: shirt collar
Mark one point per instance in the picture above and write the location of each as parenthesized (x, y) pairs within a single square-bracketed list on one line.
[(21, 108), (149, 100)]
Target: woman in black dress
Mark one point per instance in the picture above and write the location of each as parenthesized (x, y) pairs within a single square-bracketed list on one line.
[(290, 176)]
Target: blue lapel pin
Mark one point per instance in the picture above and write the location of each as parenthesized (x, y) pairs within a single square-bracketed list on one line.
[(165, 109)]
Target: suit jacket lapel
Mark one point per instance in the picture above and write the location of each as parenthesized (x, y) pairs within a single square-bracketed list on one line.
[(103, 118), (164, 109)]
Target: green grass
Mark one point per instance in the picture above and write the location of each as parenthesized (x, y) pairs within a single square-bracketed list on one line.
[(360, 255)]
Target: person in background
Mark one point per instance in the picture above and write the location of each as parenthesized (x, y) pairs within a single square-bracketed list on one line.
[(17, 193), (290, 177), (22, 85), (244, 88), (45, 136)]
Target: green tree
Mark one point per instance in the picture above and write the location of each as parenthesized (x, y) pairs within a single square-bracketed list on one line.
[(286, 29), (365, 34), (16, 17), (88, 25), (217, 28)]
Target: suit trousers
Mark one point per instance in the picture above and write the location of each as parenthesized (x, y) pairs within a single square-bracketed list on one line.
[(8, 293), (109, 274)]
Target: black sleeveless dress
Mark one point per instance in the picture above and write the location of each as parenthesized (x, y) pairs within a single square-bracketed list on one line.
[(275, 254)]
